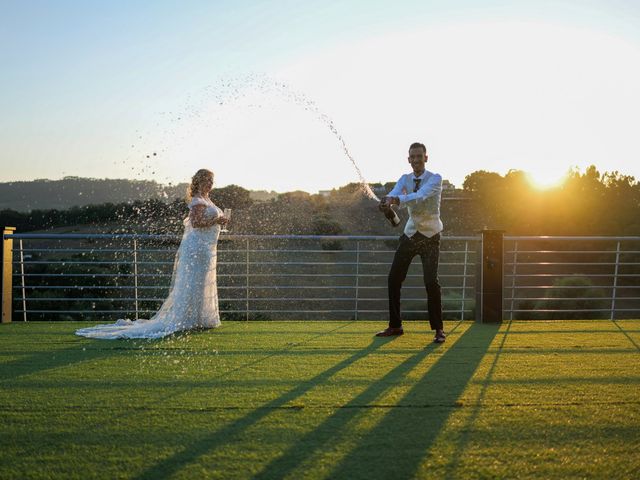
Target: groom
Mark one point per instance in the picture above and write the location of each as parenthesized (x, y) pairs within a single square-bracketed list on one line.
[(420, 192)]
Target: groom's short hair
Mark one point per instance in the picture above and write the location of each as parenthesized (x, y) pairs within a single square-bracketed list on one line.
[(419, 145)]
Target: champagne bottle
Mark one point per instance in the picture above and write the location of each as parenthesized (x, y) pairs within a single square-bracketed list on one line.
[(392, 216)]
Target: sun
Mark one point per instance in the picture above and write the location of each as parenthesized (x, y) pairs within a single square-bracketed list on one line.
[(546, 179)]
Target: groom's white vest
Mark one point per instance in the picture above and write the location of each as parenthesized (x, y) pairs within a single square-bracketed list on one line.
[(423, 205)]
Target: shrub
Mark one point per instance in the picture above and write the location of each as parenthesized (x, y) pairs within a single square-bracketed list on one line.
[(585, 297)]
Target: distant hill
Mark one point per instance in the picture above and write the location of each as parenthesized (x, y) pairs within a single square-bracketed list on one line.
[(70, 192), (76, 191)]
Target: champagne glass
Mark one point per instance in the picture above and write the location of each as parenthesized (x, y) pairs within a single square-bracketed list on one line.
[(227, 214)]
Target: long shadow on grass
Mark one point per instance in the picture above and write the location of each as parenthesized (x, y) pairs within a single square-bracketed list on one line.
[(227, 433), (82, 351), (463, 440), (395, 447), (333, 428), (51, 359), (626, 335), (109, 348)]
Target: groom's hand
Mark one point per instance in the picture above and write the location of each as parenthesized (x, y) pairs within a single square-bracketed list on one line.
[(388, 201)]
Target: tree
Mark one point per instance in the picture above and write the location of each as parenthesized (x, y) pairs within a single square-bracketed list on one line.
[(481, 181), (323, 225), (232, 196)]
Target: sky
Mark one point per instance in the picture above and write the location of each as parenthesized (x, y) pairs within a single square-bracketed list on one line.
[(276, 95)]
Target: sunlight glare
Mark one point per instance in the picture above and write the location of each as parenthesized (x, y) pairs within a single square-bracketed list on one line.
[(546, 179)]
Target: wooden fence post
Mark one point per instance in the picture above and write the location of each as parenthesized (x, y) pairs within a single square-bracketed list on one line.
[(7, 274)]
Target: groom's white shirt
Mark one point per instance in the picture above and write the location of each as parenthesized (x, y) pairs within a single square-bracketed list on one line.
[(423, 205)]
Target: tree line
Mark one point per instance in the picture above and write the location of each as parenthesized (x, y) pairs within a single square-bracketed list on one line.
[(589, 203)]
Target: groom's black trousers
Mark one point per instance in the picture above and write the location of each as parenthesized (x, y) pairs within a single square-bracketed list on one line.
[(429, 250)]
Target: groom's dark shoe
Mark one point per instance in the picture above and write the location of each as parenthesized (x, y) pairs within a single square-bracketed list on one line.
[(390, 332)]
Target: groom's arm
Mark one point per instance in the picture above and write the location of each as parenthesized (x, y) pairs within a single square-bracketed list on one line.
[(396, 191)]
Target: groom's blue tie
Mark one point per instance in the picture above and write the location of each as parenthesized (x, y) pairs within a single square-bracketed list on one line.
[(416, 182)]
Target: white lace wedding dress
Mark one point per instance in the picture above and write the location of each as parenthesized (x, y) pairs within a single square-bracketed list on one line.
[(193, 296)]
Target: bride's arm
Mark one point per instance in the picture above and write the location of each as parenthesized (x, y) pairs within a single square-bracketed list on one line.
[(199, 218)]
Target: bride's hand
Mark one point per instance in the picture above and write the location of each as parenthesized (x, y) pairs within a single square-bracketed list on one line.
[(222, 220)]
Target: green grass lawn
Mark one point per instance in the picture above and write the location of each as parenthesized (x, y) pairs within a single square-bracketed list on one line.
[(323, 400)]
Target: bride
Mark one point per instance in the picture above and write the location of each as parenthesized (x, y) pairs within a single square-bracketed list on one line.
[(193, 296)]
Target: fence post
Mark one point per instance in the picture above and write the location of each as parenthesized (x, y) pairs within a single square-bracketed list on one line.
[(7, 274), (513, 279), (615, 283), (247, 263), (489, 289), (357, 276), (464, 279), (135, 276), (22, 283)]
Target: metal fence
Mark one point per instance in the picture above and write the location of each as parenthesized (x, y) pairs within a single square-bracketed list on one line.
[(571, 277), (72, 277)]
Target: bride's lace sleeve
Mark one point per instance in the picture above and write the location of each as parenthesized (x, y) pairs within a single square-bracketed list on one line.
[(196, 201), (211, 212), (206, 213)]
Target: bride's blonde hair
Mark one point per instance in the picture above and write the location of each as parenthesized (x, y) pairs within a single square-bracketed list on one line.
[(197, 180)]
